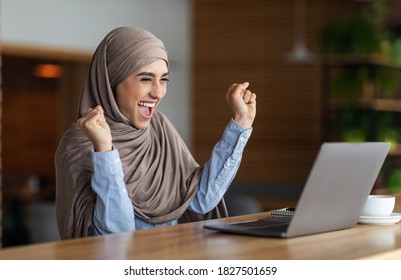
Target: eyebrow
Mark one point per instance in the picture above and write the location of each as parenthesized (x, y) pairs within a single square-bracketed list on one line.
[(151, 74)]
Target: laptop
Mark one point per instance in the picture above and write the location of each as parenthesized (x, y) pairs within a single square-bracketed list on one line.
[(341, 179)]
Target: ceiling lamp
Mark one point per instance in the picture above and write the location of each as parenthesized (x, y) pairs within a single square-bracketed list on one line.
[(300, 52)]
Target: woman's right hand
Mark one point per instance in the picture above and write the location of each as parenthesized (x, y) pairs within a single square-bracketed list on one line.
[(243, 104), (95, 127)]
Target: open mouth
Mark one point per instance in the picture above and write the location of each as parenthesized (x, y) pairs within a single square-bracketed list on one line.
[(146, 108)]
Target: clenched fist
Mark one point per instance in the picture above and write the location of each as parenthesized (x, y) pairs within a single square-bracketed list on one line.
[(95, 127), (243, 104)]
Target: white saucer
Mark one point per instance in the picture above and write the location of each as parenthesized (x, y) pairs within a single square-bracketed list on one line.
[(392, 219)]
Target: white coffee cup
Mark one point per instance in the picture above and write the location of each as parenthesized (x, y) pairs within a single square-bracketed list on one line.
[(379, 206)]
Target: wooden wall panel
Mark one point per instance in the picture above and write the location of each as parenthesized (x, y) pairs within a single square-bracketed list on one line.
[(239, 41), (37, 111), (29, 128)]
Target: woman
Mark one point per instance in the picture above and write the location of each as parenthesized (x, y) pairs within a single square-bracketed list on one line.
[(123, 166)]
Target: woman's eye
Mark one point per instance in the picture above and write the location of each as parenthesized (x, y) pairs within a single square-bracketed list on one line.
[(165, 80), (146, 79)]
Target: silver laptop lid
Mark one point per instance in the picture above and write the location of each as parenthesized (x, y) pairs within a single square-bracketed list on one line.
[(338, 185)]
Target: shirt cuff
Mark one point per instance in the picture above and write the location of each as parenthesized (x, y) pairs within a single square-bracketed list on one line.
[(107, 162), (236, 135)]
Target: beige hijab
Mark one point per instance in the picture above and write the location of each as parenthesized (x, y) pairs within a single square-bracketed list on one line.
[(160, 173)]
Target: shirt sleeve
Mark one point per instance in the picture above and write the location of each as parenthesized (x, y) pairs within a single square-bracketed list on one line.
[(221, 168), (113, 209)]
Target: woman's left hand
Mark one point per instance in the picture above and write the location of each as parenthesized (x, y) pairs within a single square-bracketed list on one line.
[(243, 104)]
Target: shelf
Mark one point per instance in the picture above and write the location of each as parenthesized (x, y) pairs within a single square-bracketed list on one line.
[(377, 104), (367, 105), (386, 105), (396, 151), (359, 59)]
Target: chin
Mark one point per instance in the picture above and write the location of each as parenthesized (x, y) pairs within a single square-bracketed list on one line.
[(141, 125)]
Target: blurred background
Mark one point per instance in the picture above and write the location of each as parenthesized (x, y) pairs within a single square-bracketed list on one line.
[(322, 70)]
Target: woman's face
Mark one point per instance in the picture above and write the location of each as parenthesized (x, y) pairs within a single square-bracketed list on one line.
[(138, 96)]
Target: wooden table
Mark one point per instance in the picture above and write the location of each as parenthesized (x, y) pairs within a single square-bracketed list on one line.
[(191, 241)]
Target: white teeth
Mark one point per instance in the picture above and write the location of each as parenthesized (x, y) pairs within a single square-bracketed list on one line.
[(147, 104)]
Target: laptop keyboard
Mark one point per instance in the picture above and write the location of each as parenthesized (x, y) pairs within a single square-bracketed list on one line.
[(278, 223)]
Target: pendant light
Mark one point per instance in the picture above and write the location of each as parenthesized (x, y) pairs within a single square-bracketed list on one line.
[(300, 52)]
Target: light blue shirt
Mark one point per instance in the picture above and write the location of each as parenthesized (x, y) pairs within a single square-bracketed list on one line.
[(113, 210)]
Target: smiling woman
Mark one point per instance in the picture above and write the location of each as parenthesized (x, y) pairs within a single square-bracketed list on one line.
[(71, 47), (123, 166), (139, 95)]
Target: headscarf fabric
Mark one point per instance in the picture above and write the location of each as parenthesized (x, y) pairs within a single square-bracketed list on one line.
[(160, 174)]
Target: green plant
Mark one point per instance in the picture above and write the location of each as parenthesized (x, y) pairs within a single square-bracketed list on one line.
[(347, 84), (356, 84), (388, 81), (353, 124), (388, 128), (361, 32), (354, 34)]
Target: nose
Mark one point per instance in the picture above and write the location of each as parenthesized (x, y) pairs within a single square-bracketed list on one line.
[(158, 90)]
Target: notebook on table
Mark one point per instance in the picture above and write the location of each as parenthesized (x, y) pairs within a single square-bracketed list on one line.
[(334, 194)]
